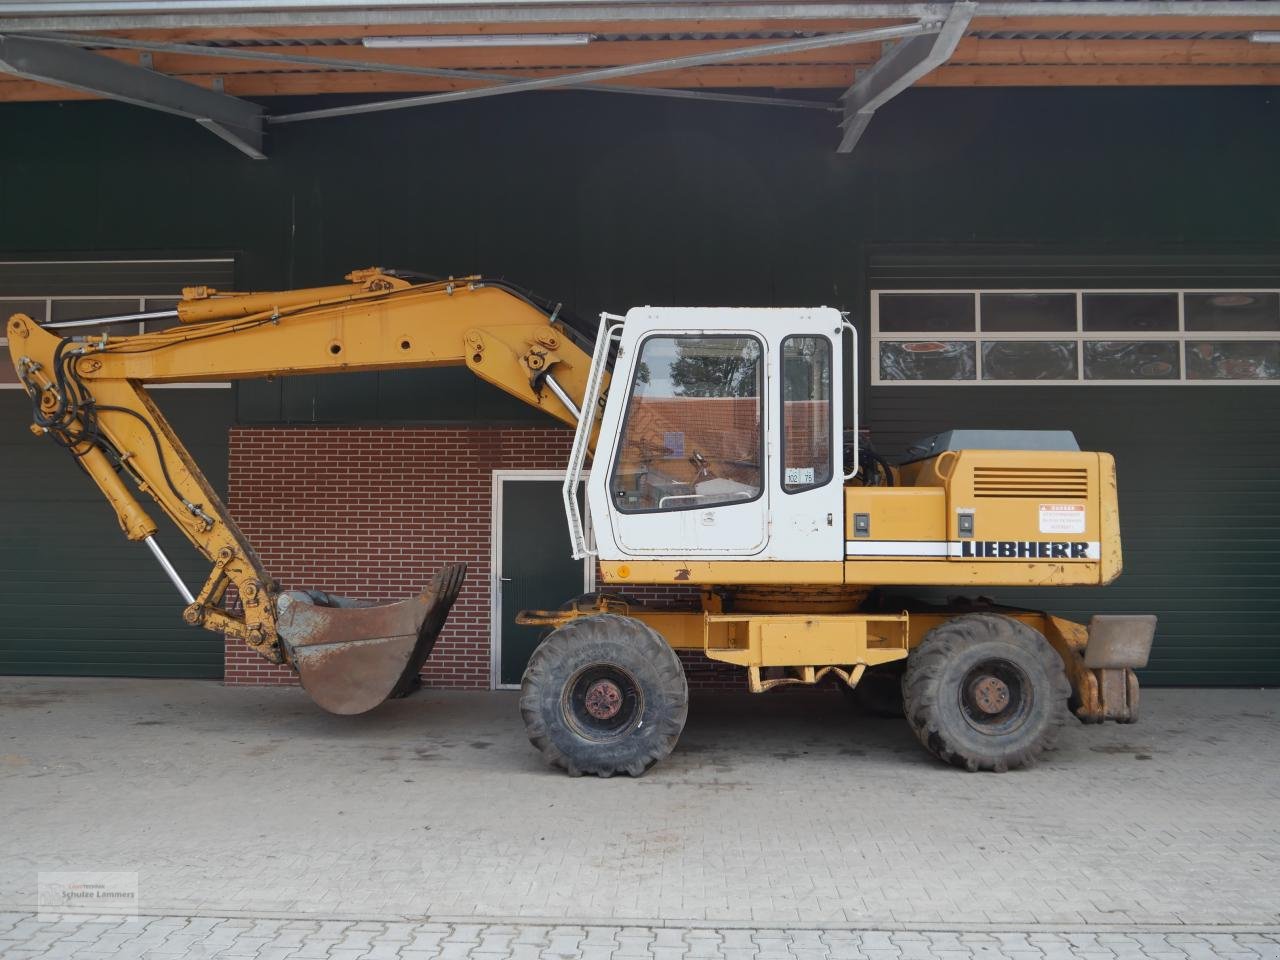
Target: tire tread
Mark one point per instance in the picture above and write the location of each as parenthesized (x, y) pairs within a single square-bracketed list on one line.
[(928, 661), (634, 639)]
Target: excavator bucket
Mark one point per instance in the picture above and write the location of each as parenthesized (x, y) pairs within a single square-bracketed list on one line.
[(353, 654)]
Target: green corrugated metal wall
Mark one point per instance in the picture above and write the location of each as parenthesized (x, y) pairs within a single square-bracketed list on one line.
[(77, 598), (1199, 466), (1199, 509), (611, 202)]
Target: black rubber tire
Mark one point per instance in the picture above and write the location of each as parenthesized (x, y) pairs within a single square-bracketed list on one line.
[(878, 693), (620, 649), (934, 693)]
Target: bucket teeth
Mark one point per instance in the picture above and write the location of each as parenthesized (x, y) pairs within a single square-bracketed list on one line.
[(351, 655)]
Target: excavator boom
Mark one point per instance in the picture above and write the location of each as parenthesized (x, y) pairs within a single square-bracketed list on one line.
[(89, 395)]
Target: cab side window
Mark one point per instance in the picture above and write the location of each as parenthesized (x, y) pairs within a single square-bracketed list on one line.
[(806, 413)]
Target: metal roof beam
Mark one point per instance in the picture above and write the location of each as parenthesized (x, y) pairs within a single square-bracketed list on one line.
[(378, 66), (237, 121), (150, 14), (628, 70), (897, 70)]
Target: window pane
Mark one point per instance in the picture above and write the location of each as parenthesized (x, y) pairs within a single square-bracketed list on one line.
[(32, 308), (806, 412), (1029, 360), (1130, 360), (926, 312), (1029, 312), (1131, 312), (927, 360), (693, 425), (1233, 360), (1232, 311)]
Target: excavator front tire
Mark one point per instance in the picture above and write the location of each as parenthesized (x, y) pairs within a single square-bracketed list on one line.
[(604, 694), (985, 692)]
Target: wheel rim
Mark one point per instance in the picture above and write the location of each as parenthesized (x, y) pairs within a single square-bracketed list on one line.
[(995, 697), (603, 702)]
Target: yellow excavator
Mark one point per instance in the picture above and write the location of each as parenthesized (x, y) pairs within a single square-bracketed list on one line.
[(721, 462)]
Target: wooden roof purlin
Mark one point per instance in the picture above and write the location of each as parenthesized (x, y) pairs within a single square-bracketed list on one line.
[(848, 58)]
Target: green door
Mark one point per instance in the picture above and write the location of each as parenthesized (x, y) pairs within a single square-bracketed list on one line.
[(537, 569)]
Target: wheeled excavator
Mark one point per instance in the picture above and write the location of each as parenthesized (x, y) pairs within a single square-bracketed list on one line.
[(722, 463)]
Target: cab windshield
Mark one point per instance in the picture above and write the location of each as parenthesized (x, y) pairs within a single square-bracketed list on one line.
[(693, 433)]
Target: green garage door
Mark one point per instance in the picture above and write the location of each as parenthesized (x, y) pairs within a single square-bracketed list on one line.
[(76, 598), (1198, 462)]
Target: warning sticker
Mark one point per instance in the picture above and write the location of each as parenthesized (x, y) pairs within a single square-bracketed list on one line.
[(1061, 518)]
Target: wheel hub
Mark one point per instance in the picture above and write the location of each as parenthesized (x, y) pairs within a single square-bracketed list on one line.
[(603, 699), (990, 695), (995, 696)]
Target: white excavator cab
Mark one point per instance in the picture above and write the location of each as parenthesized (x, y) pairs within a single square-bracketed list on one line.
[(721, 437)]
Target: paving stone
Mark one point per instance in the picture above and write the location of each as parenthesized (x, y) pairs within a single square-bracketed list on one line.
[(315, 941), (885, 840)]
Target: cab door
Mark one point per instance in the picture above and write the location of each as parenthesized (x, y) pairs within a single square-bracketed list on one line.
[(689, 469), (807, 507)]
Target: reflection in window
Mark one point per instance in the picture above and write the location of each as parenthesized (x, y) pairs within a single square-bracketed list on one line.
[(927, 360), (806, 413), (1232, 311), (1029, 360), (1029, 312), (1130, 360), (692, 436), (1233, 360), (926, 312), (1130, 312)]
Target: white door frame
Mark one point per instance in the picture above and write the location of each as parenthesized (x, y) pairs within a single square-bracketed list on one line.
[(495, 564)]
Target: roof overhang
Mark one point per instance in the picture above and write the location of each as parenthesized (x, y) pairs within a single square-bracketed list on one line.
[(208, 60)]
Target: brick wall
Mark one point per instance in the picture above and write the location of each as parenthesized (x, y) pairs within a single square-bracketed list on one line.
[(375, 511)]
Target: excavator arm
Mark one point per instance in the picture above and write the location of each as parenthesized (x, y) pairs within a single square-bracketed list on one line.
[(89, 395)]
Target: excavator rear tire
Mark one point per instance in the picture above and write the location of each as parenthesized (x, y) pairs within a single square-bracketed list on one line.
[(604, 694), (985, 692)]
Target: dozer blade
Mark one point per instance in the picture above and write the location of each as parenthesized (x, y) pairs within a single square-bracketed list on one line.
[(353, 654)]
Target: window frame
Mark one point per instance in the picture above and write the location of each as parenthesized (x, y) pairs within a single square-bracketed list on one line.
[(1180, 336), (626, 420), (782, 414)]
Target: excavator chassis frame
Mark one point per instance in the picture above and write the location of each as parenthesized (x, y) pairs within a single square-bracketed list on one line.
[(779, 649)]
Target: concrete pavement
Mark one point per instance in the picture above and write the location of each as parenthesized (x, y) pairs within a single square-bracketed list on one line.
[(780, 811)]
